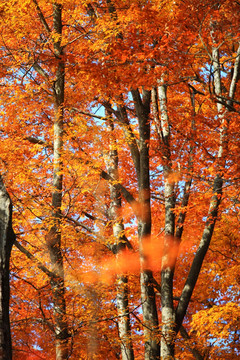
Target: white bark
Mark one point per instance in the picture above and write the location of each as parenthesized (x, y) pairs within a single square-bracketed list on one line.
[(120, 243), (168, 314)]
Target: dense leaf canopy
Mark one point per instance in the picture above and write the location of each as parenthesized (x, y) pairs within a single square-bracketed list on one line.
[(120, 150)]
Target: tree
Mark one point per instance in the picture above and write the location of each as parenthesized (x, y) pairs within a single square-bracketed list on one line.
[(7, 238), (53, 238), (150, 179), (120, 243)]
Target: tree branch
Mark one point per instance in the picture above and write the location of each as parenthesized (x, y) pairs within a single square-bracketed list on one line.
[(33, 258), (42, 18), (201, 252), (40, 71), (192, 349)]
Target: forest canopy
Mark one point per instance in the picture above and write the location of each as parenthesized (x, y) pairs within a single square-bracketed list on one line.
[(120, 152)]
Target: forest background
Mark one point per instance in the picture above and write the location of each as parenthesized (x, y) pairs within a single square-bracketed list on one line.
[(120, 154)]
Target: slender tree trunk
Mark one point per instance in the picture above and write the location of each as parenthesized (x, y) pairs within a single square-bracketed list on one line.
[(7, 238), (217, 184), (54, 236), (150, 317), (119, 244), (168, 314), (124, 326), (172, 238)]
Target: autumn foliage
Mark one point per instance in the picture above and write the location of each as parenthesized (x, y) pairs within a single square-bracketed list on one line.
[(120, 151)]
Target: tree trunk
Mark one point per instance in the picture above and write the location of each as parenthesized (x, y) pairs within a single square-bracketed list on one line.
[(124, 326), (7, 238), (54, 236), (150, 317), (217, 184), (119, 244), (168, 260)]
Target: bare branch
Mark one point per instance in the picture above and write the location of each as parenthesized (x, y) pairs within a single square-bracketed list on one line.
[(34, 140), (40, 71), (33, 258), (42, 18)]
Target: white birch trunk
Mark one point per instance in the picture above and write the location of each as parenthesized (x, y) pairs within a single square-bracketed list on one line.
[(168, 314), (124, 327)]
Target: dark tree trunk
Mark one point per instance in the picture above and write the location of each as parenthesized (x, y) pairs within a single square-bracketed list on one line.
[(7, 238)]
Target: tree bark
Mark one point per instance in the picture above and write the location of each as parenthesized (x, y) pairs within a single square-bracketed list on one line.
[(120, 243), (54, 235), (150, 317), (168, 260), (217, 187), (7, 238)]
